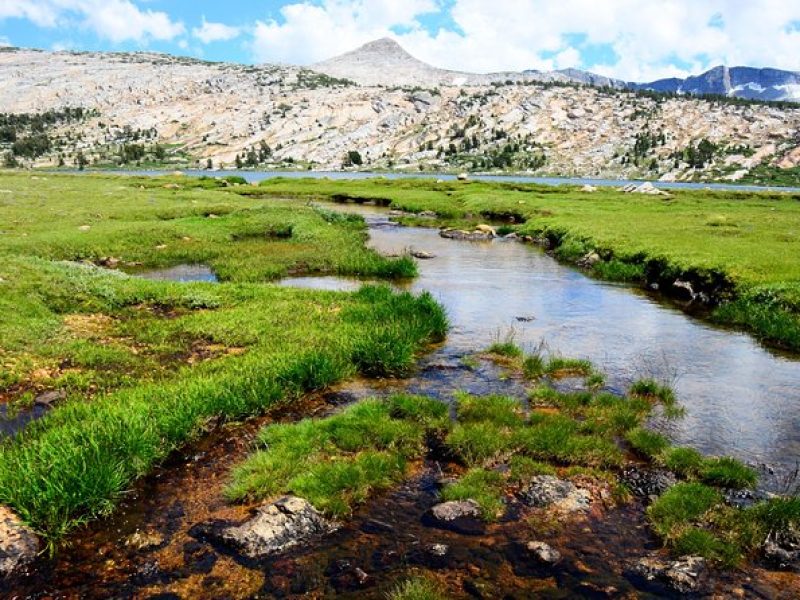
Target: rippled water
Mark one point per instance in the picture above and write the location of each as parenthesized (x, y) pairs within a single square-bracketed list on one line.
[(740, 398), (180, 273)]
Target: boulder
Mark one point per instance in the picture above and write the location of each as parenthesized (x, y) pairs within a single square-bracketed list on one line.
[(421, 254), (19, 546), (588, 188), (463, 177), (546, 491), (682, 576), (275, 528), (488, 229), (543, 553)]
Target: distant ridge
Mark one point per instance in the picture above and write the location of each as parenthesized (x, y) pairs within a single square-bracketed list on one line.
[(385, 62)]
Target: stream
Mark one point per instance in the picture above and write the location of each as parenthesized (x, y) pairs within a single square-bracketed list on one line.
[(740, 399)]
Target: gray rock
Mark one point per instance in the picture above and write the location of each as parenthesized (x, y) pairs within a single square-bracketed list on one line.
[(50, 398), (456, 509), (683, 575), (548, 491), (18, 544), (459, 234), (275, 528), (590, 259), (544, 553), (421, 254), (461, 516), (438, 549)]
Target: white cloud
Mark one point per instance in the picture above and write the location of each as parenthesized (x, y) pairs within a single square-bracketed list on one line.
[(651, 39), (113, 20), (4, 42), (312, 32), (215, 32)]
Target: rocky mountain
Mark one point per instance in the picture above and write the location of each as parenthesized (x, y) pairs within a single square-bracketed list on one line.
[(385, 62), (143, 107), (738, 82)]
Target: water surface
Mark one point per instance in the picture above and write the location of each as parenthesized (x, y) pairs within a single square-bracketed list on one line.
[(740, 398)]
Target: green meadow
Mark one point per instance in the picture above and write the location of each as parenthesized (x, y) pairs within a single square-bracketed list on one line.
[(146, 366)]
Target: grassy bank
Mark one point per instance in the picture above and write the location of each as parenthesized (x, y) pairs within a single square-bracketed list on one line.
[(146, 366), (496, 446), (737, 248)]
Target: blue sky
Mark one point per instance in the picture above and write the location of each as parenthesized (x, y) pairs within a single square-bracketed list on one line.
[(629, 39)]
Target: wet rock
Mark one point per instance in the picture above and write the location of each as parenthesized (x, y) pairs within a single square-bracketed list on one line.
[(50, 398), (428, 214), (511, 236), (525, 319), (276, 527), (376, 526), (645, 483), (421, 254), (543, 553), (487, 229), (345, 576), (438, 549), (18, 544), (684, 575), (463, 177), (547, 491), (683, 289), (782, 549), (109, 262), (461, 516)]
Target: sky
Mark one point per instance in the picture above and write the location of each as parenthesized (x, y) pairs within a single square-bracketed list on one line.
[(634, 40)]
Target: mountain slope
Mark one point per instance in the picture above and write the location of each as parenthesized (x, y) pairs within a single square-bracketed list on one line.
[(290, 117), (738, 82)]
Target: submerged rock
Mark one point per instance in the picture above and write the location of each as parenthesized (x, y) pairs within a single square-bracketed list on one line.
[(421, 254), (543, 553), (683, 575), (18, 544), (276, 527), (547, 491), (461, 516)]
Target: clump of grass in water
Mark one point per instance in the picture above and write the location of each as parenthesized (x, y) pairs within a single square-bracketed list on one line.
[(484, 486), (336, 462), (417, 588)]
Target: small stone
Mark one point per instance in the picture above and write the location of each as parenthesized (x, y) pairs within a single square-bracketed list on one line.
[(438, 549), (463, 177), (544, 552), (84, 227), (421, 254)]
